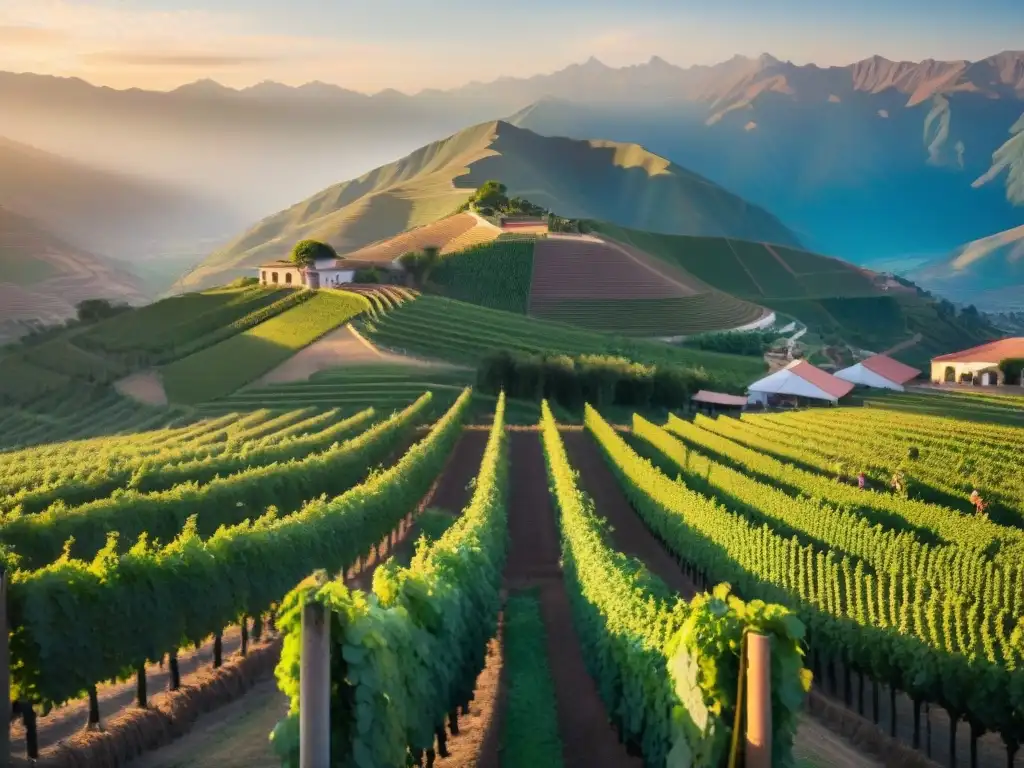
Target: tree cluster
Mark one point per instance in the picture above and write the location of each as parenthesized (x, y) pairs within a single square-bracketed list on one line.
[(418, 264), (307, 252), (599, 380)]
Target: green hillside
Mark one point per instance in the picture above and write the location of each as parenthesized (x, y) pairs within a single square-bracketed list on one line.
[(436, 327), (842, 305), (621, 183)]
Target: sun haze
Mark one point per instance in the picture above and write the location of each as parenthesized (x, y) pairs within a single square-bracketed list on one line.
[(409, 45)]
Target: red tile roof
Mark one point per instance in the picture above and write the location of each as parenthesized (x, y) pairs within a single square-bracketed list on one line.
[(826, 382), (890, 369), (718, 398), (993, 352)]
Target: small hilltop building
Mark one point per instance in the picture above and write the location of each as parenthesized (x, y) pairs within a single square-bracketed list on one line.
[(879, 372), (327, 273)]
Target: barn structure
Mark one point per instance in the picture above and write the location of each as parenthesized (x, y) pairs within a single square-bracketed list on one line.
[(879, 372), (715, 402), (978, 365), (799, 383)]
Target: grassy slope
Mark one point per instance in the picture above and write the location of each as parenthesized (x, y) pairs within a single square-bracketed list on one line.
[(580, 179), (464, 333), (495, 275), (224, 367), (831, 297)]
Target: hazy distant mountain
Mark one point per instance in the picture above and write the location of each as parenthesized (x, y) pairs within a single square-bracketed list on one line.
[(620, 183), (112, 214), (988, 272), (875, 161), (42, 277)]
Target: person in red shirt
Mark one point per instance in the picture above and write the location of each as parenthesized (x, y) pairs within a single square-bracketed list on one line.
[(861, 480)]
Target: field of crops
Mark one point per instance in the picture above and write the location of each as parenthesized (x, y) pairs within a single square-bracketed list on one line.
[(709, 311), (610, 543), (242, 358), (749, 270), (464, 333), (495, 275)]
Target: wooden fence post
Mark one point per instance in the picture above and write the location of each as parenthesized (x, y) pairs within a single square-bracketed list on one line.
[(5, 673), (759, 701), (315, 688)]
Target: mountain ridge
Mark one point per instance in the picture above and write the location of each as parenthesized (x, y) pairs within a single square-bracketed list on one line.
[(580, 179)]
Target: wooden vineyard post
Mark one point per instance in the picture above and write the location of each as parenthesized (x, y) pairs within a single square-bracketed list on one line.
[(315, 688), (5, 672), (759, 701)]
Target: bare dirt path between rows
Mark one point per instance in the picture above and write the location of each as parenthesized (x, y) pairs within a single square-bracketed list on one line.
[(588, 738), (237, 735), (630, 535)]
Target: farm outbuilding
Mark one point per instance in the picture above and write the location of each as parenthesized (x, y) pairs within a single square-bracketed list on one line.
[(977, 365), (327, 273), (799, 381), (714, 402), (879, 372)]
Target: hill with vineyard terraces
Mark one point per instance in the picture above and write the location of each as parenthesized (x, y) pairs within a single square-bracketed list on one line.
[(42, 277), (620, 183)]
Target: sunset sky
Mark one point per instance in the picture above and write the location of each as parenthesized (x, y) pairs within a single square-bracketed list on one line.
[(369, 45)]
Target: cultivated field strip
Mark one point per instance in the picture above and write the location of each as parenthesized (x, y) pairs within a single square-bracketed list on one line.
[(119, 520), (937, 474), (934, 573), (942, 651), (413, 683), (929, 523), (69, 619), (632, 624), (30, 468), (164, 471)]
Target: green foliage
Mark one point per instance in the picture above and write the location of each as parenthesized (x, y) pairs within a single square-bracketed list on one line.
[(228, 500), (305, 253), (1013, 369), (224, 367), (464, 333), (367, 276), (188, 464), (76, 624), (529, 735), (875, 622), (94, 310), (753, 343), (410, 653), (495, 275), (667, 671), (599, 380)]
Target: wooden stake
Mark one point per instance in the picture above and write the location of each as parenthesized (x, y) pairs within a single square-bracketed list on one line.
[(759, 702), (315, 688), (5, 673)]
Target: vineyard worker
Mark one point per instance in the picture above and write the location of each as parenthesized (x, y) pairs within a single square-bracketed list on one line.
[(861, 480), (977, 501)]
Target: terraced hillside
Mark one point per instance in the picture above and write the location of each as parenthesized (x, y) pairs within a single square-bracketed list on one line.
[(450, 234), (42, 277), (622, 183), (834, 299), (463, 333)]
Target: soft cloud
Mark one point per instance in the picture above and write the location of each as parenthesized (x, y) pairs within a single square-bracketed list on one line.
[(11, 34), (186, 60)]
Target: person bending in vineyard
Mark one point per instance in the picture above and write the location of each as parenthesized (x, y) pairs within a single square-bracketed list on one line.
[(978, 502)]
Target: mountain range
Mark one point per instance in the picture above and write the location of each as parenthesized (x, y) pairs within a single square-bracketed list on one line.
[(878, 162), (620, 183)]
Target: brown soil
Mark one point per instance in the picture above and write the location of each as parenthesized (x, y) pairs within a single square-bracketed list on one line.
[(588, 738), (144, 386), (117, 698), (344, 346)]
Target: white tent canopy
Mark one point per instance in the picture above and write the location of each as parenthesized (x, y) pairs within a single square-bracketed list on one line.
[(799, 379), (858, 374)]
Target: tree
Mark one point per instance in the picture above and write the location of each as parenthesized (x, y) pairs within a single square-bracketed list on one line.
[(414, 264), (93, 310), (306, 252), (1013, 369), (491, 195), (367, 276)]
